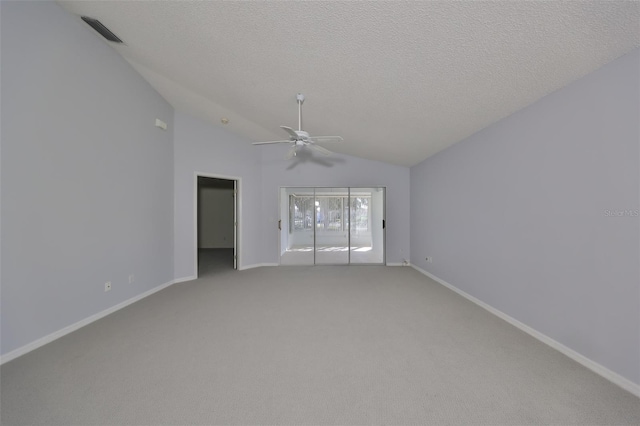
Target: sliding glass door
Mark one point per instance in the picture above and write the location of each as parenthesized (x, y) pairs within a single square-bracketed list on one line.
[(367, 225), (297, 212), (332, 226)]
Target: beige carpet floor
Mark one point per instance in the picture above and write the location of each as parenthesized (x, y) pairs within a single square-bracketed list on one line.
[(305, 345)]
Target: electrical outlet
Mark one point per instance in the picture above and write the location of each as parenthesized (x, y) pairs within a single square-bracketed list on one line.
[(132, 279), (429, 259), (107, 286)]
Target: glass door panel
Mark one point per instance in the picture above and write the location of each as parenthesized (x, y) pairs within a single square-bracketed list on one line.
[(367, 229), (332, 225), (297, 211)]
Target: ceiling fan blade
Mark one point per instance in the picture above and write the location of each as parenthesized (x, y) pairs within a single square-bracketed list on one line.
[(291, 132), (291, 153), (326, 138), (319, 148), (263, 143)]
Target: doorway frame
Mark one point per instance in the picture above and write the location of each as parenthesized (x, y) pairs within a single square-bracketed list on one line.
[(237, 232), (349, 188)]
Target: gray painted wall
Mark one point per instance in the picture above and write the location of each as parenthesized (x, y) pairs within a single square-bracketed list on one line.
[(204, 148), (334, 171), (517, 216), (87, 180)]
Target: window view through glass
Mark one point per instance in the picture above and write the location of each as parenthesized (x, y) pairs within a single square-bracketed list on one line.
[(302, 213), (360, 214), (329, 213)]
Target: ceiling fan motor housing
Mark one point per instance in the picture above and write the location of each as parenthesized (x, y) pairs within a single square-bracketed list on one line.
[(302, 135)]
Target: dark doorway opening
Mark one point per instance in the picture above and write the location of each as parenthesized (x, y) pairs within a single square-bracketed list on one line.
[(216, 228)]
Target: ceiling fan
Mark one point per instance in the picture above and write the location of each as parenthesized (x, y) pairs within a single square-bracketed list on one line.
[(299, 138)]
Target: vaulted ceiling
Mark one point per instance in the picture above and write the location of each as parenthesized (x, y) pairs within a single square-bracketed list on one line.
[(399, 81)]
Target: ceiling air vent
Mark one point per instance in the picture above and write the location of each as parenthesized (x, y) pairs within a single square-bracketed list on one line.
[(99, 27)]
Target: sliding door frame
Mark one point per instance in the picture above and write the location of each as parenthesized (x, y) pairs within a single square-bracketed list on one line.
[(349, 188)]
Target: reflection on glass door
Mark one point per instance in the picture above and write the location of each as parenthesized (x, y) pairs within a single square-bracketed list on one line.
[(331, 226)]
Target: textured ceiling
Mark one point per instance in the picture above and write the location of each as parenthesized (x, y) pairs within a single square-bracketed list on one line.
[(399, 81)]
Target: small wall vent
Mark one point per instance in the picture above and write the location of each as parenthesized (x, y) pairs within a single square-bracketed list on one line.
[(99, 27)]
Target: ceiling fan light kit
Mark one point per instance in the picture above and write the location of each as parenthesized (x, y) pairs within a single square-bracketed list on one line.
[(300, 138)]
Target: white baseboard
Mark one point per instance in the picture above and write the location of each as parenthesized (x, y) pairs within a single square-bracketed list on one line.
[(73, 327), (398, 264), (183, 279), (257, 265), (612, 376)]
